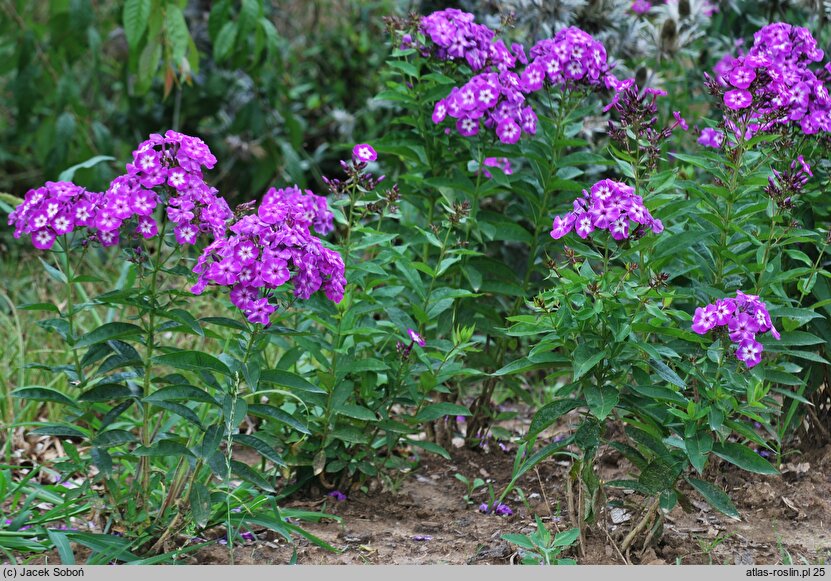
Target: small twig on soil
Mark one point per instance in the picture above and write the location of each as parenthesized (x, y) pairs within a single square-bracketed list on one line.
[(572, 513), (630, 538), (614, 544), (542, 490)]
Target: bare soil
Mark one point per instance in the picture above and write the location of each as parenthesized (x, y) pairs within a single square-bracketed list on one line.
[(425, 520), (428, 522)]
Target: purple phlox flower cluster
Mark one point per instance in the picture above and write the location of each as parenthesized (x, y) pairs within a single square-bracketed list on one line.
[(337, 495), (174, 160), (784, 186), (496, 99), (611, 206), (773, 84), (711, 137), (641, 6), (572, 58), (171, 163), (263, 252), (499, 509), (316, 211), (502, 163), (455, 35), (743, 317), (52, 210)]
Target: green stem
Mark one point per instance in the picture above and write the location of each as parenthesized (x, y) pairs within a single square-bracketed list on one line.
[(149, 347)]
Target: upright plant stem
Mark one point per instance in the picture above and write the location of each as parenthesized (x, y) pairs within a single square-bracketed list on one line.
[(149, 347)]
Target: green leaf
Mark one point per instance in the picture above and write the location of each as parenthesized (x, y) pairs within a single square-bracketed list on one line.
[(163, 448), (356, 411), (39, 307), (659, 476), (112, 438), (743, 457), (177, 33), (264, 449), (62, 545), (210, 441), (249, 475), (108, 332), (431, 447), (136, 13), (698, 447), (108, 392), (200, 503), (180, 392), (565, 538), (667, 373), (53, 272), (184, 318), (602, 400), (59, 430), (437, 410), (550, 413), (193, 361), (224, 41), (715, 496), (273, 413), (38, 393), (290, 380), (585, 358)]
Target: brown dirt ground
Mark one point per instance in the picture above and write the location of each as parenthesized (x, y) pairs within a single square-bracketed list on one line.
[(782, 516), (427, 521)]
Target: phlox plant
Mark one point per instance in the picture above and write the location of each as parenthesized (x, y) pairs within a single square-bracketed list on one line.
[(731, 250), (155, 416)]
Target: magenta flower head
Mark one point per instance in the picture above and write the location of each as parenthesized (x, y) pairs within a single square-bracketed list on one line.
[(611, 206), (744, 316), (52, 210), (499, 509), (641, 6), (711, 138), (416, 338), (738, 99), (265, 251), (364, 153)]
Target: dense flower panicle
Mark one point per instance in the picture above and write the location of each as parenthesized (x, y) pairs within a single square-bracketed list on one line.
[(496, 100), (744, 316), (611, 206), (263, 252), (52, 210), (174, 160), (773, 84), (455, 35), (315, 213), (572, 58)]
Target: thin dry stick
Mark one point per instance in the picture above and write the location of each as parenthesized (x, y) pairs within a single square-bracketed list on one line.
[(630, 538), (614, 544), (542, 491)]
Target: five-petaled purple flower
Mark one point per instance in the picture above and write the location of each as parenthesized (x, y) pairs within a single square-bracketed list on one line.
[(364, 153), (744, 316)]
